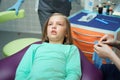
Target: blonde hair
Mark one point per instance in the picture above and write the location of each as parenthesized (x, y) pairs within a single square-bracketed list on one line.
[(67, 39)]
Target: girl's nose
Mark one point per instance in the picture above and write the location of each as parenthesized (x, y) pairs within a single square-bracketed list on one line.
[(54, 27)]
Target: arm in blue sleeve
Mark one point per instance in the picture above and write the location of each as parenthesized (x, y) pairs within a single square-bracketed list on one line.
[(25, 65), (77, 1), (73, 67), (16, 6)]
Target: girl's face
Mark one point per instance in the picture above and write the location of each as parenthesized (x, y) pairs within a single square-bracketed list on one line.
[(56, 29)]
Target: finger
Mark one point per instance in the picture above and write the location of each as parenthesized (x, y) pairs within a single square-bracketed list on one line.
[(95, 47), (17, 11), (104, 38), (10, 9), (95, 50)]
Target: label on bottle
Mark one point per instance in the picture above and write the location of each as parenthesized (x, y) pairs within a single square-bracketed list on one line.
[(89, 4)]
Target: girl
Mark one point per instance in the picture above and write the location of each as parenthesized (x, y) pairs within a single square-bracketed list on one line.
[(56, 58)]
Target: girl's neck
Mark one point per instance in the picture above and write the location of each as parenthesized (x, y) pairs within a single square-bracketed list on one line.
[(56, 42)]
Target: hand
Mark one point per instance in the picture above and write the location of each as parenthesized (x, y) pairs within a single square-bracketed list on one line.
[(103, 50), (107, 39), (16, 7)]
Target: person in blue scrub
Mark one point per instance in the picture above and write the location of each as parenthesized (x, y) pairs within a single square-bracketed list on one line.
[(56, 58), (46, 8), (103, 49)]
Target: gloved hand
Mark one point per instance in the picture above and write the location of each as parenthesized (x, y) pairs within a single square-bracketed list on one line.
[(16, 6), (98, 61)]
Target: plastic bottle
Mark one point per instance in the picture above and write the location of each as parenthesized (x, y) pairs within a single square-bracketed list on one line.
[(104, 10), (89, 5), (100, 9), (108, 6), (110, 10)]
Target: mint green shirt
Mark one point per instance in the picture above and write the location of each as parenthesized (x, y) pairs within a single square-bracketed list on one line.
[(48, 61)]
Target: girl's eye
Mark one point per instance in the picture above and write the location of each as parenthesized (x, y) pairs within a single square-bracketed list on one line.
[(49, 24), (60, 24)]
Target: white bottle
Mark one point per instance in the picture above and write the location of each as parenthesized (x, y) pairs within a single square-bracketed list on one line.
[(89, 5)]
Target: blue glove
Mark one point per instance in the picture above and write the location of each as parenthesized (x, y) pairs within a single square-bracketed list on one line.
[(97, 60), (16, 6)]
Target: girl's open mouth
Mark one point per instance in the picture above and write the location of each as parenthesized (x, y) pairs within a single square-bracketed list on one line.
[(54, 32)]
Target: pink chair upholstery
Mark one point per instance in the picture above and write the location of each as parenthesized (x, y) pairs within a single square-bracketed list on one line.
[(9, 65)]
